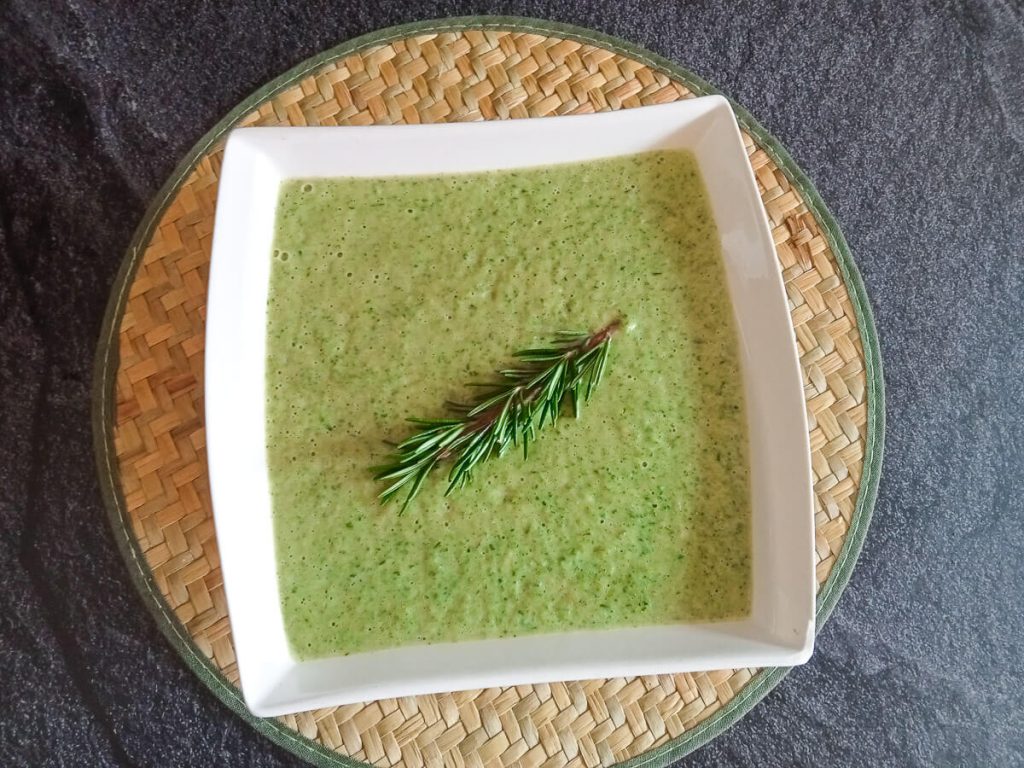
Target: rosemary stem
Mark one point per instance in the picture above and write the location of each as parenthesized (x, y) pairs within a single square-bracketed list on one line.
[(522, 400)]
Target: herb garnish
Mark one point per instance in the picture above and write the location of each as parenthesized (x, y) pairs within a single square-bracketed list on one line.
[(509, 411)]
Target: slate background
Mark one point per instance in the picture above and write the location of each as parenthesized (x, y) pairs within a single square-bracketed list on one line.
[(908, 116)]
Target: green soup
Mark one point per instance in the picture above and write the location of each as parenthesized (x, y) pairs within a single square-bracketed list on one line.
[(388, 295)]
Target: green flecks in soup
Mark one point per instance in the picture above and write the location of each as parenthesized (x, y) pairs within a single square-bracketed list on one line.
[(387, 295)]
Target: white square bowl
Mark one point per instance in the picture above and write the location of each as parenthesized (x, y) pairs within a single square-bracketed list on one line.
[(780, 629)]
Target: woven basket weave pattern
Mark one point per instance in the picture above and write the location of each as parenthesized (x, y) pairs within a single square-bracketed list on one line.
[(160, 444)]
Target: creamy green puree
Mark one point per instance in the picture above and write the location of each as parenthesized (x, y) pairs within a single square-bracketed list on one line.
[(387, 295)]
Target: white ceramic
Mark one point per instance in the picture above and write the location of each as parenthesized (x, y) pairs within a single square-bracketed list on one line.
[(780, 630)]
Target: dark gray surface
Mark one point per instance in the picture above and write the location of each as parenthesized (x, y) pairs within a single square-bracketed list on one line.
[(908, 117)]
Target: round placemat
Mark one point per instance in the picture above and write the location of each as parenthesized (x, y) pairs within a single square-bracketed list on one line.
[(149, 397)]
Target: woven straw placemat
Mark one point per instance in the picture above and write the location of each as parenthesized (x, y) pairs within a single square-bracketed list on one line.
[(149, 409)]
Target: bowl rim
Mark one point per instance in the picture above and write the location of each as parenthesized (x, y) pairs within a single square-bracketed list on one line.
[(780, 629)]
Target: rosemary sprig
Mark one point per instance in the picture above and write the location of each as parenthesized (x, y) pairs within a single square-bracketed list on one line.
[(508, 412)]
